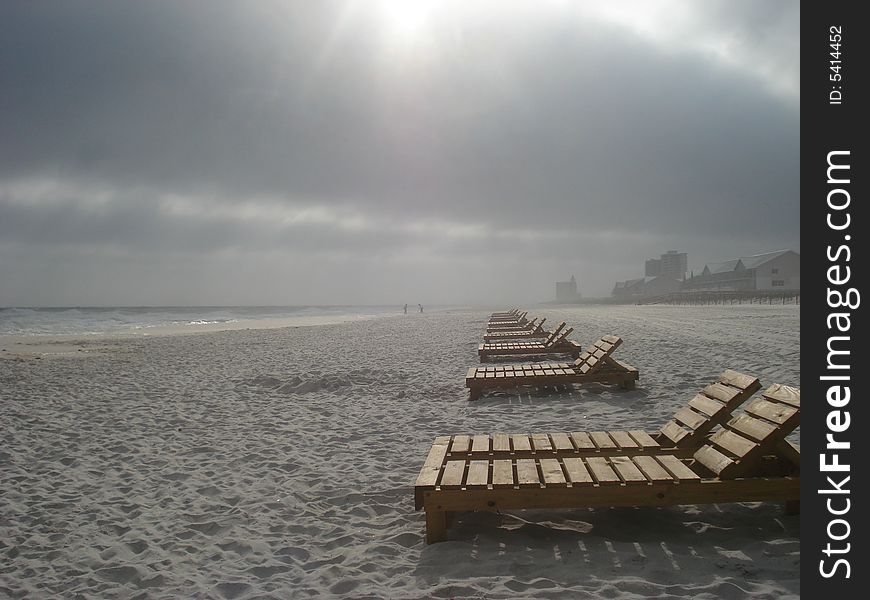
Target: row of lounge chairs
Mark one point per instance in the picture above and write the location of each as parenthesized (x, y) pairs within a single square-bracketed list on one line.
[(702, 455), (595, 364), (555, 343)]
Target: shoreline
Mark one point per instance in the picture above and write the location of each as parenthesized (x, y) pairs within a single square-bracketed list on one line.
[(38, 346)]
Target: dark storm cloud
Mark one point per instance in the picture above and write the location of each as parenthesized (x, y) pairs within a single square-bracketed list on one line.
[(540, 133)]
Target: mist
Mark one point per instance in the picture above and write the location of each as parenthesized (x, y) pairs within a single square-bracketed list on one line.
[(274, 153)]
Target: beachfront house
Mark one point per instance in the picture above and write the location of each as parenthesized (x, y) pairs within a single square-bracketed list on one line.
[(771, 271)]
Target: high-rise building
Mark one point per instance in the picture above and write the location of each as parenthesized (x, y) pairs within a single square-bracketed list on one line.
[(674, 264)]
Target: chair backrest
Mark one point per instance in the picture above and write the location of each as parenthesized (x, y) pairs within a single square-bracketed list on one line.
[(540, 326), (735, 449), (592, 359), (711, 407), (561, 337), (552, 336)]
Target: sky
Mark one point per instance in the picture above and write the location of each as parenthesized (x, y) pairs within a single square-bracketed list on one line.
[(387, 151)]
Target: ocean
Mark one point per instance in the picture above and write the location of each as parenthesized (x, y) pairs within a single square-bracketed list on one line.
[(22, 321)]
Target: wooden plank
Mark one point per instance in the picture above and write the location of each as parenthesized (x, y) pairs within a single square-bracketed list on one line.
[(677, 468), (480, 444), (707, 406), (689, 418), (775, 412), (552, 472), (478, 474), (652, 469), (578, 474), (673, 432), (541, 442), (739, 380), (784, 393), (736, 444), (593, 363), (527, 473), (461, 444), (453, 473), (432, 466), (502, 474), (602, 440), (561, 441), (722, 393), (581, 359), (582, 440), (501, 442), (602, 471), (521, 443), (627, 470), (623, 440), (714, 460), (754, 429), (643, 439)]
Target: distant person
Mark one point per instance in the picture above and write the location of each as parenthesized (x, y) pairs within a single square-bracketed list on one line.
[(406, 309), (421, 307)]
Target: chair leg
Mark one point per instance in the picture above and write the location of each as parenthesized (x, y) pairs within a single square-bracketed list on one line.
[(436, 526), (627, 384), (474, 393)]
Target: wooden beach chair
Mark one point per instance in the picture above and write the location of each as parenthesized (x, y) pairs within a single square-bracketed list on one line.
[(530, 331), (518, 319), (522, 324), (594, 364), (505, 313), (555, 343), (748, 460), (687, 431)]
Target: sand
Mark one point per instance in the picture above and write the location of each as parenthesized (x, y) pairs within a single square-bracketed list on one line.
[(279, 463)]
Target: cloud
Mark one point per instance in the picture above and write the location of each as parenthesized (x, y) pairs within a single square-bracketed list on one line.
[(325, 132)]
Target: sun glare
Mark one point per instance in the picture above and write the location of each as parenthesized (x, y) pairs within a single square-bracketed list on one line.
[(407, 18)]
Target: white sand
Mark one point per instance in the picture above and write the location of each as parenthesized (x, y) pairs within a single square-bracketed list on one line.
[(280, 463)]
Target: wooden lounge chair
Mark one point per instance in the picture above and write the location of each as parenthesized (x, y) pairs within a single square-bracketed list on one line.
[(687, 431), (505, 313), (594, 364), (748, 460), (555, 343), (522, 324), (530, 331), (518, 319)]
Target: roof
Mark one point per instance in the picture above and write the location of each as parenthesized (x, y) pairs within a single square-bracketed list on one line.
[(726, 267), (756, 260)]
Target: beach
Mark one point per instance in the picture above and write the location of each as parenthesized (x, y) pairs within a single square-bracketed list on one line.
[(279, 462)]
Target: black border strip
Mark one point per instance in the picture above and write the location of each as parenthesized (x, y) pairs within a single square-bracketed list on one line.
[(831, 126)]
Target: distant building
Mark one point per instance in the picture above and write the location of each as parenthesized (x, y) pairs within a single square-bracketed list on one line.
[(771, 271), (671, 264), (566, 291), (631, 288), (634, 289)]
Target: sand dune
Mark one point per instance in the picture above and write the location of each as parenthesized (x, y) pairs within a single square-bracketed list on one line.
[(279, 463)]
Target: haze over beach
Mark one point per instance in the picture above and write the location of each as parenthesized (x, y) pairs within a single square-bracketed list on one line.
[(248, 252), (297, 153)]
